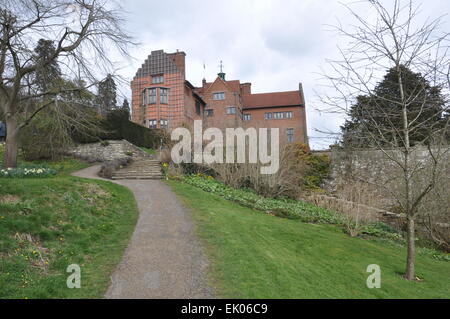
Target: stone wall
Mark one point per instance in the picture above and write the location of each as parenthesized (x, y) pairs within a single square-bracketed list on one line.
[(107, 151), (376, 166)]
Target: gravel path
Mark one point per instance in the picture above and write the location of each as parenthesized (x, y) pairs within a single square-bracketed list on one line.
[(164, 258)]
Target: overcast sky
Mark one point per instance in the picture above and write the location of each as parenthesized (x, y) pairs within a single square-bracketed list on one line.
[(274, 44)]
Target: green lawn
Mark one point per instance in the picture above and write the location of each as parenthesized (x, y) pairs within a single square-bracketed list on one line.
[(255, 255), (149, 150), (47, 224)]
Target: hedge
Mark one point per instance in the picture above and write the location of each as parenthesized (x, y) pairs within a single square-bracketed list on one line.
[(117, 126)]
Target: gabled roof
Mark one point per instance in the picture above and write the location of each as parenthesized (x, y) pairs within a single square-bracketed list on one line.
[(263, 100), (194, 92), (234, 85)]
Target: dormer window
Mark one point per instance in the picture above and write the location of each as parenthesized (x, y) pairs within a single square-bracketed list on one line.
[(158, 79), (219, 96)]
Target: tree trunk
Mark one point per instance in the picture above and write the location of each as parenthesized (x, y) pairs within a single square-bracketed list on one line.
[(411, 255), (10, 159)]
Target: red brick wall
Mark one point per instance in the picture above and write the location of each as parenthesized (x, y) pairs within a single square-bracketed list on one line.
[(173, 111), (220, 118), (297, 122), (190, 113)]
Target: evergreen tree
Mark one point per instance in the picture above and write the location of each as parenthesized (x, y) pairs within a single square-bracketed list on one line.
[(46, 76), (126, 107), (381, 113), (107, 97)]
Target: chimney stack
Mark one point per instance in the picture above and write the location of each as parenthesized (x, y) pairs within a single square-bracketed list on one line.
[(246, 88)]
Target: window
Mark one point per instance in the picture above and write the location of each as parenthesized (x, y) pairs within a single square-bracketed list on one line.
[(247, 117), (164, 96), (268, 116), (278, 115), (151, 96), (209, 112), (157, 79), (290, 135), (198, 108), (219, 96), (152, 123), (163, 123), (288, 115), (231, 110)]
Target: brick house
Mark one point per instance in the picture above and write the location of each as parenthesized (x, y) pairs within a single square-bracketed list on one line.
[(163, 98)]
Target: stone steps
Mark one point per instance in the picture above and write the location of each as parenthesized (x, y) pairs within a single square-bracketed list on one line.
[(140, 168), (138, 177)]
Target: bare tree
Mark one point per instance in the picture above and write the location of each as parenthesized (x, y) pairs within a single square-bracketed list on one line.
[(84, 32), (394, 41)]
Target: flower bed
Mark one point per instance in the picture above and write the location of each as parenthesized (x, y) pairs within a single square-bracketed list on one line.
[(24, 172), (280, 207)]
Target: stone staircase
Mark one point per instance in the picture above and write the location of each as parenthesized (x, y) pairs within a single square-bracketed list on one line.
[(140, 168)]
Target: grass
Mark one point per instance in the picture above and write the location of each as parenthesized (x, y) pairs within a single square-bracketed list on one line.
[(149, 150), (47, 224), (255, 255)]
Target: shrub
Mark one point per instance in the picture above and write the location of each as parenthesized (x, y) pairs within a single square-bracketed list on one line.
[(285, 182), (165, 156), (109, 167), (380, 229), (317, 170)]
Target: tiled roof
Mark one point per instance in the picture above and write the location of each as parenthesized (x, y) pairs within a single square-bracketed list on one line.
[(262, 100)]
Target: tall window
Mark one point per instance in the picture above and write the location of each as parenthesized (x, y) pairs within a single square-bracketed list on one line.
[(231, 110), (209, 112), (151, 96), (247, 117), (152, 123), (157, 79), (163, 123), (219, 96), (288, 115), (164, 96), (290, 135), (268, 116)]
